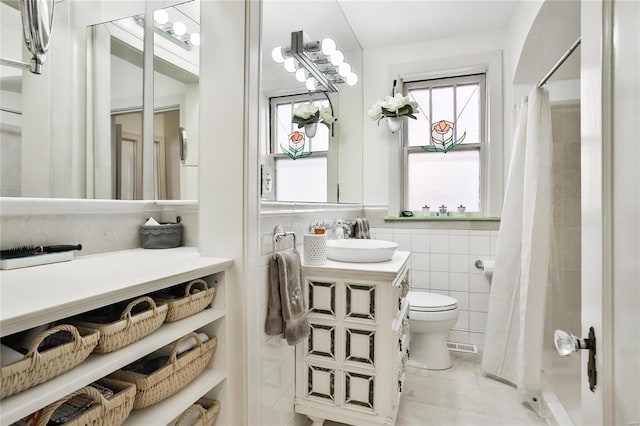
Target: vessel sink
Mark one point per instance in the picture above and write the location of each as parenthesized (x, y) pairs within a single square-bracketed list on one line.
[(361, 251)]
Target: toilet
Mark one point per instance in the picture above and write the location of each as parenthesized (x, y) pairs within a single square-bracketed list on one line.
[(431, 316)]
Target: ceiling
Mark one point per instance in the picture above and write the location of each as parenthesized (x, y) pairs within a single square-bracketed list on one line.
[(378, 23)]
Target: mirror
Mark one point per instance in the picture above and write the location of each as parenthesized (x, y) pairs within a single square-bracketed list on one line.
[(37, 22), (56, 128), (116, 74), (333, 170)]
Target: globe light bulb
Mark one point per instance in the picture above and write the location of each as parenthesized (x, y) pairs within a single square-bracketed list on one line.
[(276, 54), (290, 65), (301, 75), (327, 46), (344, 69), (160, 16), (336, 58), (352, 79), (311, 84), (194, 38), (179, 28)]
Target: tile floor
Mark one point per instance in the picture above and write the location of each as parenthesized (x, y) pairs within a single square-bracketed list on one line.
[(460, 396)]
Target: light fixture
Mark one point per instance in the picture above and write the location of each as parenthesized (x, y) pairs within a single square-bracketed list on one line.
[(328, 46), (301, 75), (160, 16), (336, 58), (318, 64), (175, 32), (290, 65), (311, 84), (344, 69), (194, 38), (352, 79), (276, 54), (179, 28)]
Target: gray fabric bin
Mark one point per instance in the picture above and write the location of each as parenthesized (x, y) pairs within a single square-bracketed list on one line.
[(165, 235)]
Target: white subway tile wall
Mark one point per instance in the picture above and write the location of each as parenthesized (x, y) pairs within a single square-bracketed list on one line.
[(443, 262), (277, 359), (99, 225)]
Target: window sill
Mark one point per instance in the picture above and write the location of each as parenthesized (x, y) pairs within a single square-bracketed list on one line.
[(441, 219)]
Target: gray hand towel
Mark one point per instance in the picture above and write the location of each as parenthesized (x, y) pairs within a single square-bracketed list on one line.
[(362, 228), (286, 299), (273, 327)]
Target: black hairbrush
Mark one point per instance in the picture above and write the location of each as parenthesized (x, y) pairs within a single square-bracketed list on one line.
[(26, 251)]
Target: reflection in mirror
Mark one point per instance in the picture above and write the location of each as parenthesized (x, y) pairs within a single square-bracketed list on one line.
[(328, 163), (176, 70), (114, 81), (115, 77), (301, 162), (11, 102)]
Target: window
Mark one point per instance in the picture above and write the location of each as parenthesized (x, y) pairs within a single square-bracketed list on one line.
[(455, 177), (303, 179)]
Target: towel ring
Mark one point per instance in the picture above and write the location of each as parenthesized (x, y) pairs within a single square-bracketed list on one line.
[(279, 234)]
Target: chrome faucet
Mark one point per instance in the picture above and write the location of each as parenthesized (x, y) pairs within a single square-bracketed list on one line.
[(346, 229), (339, 224)]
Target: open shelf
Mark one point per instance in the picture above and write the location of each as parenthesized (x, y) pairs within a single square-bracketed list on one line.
[(100, 365), (48, 293), (173, 406)]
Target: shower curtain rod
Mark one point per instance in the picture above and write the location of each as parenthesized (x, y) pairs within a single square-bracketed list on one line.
[(558, 64), (11, 111)]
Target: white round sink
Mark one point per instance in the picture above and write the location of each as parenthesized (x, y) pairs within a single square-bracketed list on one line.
[(362, 251)]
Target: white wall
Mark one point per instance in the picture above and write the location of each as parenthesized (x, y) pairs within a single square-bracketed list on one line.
[(226, 189), (378, 78), (99, 225)]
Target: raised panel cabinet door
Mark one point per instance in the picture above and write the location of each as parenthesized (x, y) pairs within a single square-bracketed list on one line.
[(360, 302), (322, 341), (321, 298), (321, 383), (359, 390), (360, 346)]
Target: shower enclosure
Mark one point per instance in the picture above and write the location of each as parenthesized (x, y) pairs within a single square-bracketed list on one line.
[(561, 377)]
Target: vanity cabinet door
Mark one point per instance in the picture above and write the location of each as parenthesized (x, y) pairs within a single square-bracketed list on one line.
[(360, 302), (320, 383), (322, 342), (359, 390), (321, 298), (359, 347)]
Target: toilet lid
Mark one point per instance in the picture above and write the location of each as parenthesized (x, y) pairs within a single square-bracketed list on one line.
[(424, 301)]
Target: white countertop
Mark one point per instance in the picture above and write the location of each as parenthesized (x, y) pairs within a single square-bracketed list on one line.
[(388, 269), (41, 294)]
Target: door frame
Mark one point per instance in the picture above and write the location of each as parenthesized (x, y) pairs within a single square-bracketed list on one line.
[(597, 204)]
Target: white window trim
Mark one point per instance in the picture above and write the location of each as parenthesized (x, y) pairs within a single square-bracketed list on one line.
[(489, 63), (481, 147), (273, 154)]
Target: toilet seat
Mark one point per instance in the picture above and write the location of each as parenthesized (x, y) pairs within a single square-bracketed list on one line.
[(423, 301)]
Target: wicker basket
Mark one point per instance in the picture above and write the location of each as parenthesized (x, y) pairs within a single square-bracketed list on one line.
[(189, 304), (129, 328), (107, 412), (37, 367), (177, 374), (207, 410)]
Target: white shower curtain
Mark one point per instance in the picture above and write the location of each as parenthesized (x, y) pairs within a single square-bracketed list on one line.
[(515, 323)]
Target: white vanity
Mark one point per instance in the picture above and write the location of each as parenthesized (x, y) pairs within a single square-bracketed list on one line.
[(351, 367)]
